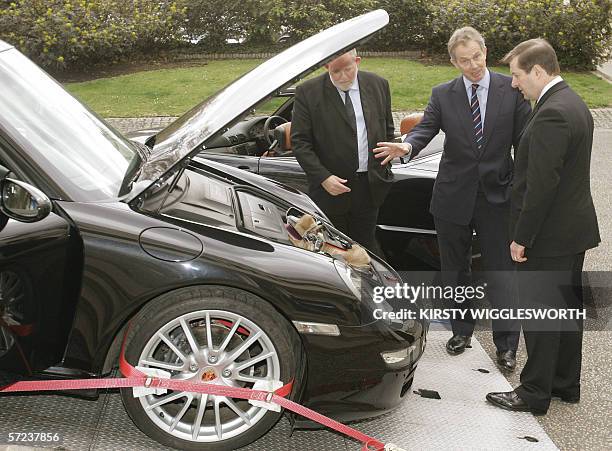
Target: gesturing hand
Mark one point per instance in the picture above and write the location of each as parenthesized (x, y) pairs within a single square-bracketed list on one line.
[(389, 151), (335, 185)]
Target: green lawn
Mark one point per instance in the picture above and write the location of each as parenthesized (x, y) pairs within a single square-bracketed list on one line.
[(171, 92)]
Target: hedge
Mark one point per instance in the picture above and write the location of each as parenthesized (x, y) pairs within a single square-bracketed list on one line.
[(408, 26), (62, 33), (66, 33), (579, 30)]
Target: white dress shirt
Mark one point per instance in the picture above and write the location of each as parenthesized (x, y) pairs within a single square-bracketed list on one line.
[(482, 93), (550, 84), (362, 133)]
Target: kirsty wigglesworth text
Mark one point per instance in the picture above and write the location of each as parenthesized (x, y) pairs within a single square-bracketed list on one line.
[(481, 314)]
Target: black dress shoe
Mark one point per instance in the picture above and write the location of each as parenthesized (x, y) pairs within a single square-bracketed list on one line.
[(506, 360), (571, 399), (511, 401), (457, 344)]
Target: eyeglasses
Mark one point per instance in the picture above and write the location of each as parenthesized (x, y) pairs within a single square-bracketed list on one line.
[(468, 62), (346, 71)]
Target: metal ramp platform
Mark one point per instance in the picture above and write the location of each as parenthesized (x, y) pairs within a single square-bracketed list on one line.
[(461, 420)]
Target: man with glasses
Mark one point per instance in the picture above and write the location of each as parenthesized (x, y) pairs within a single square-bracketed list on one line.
[(338, 117), (482, 116)]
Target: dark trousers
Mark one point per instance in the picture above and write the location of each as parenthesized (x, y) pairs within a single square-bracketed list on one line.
[(491, 223), (359, 221), (554, 347)]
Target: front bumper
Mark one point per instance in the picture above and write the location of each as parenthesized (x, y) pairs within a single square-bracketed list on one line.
[(347, 378)]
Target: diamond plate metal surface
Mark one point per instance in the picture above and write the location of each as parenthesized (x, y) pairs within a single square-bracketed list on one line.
[(116, 430), (280, 438), (461, 420)]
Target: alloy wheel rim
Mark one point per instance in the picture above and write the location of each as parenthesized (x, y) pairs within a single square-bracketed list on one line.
[(11, 295), (212, 346)]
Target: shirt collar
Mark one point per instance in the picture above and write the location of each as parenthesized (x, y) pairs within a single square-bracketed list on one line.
[(483, 82), (550, 84)]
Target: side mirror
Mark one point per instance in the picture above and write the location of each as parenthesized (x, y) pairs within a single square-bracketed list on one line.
[(23, 202)]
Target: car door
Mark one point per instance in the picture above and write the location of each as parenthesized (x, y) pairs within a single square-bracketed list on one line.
[(39, 277)]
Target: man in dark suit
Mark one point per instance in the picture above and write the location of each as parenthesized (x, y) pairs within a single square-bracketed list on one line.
[(553, 223), (338, 117), (481, 115)]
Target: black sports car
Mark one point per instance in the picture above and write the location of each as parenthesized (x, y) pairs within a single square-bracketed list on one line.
[(204, 261)]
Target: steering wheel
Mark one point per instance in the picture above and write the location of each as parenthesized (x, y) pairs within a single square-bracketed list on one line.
[(267, 128)]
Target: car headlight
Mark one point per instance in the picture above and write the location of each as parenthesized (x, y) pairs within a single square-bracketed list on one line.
[(400, 357), (362, 284), (352, 278)]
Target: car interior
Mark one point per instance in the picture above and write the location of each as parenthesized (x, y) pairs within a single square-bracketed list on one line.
[(266, 132)]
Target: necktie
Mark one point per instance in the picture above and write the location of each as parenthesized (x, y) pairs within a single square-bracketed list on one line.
[(476, 117), (350, 111)]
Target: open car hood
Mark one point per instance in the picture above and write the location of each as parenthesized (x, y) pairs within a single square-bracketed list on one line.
[(183, 138)]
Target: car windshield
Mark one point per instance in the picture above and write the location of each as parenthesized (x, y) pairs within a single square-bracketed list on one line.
[(83, 155)]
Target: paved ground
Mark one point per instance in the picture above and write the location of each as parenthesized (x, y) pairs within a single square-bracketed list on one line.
[(605, 70)]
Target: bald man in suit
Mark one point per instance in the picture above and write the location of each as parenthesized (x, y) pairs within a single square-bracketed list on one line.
[(338, 117)]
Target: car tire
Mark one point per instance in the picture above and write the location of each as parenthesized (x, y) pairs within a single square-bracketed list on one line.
[(156, 338)]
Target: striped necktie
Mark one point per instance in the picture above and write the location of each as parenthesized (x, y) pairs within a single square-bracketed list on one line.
[(476, 116)]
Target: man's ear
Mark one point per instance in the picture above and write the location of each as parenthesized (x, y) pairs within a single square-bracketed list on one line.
[(454, 63), (357, 60), (539, 71), (485, 52)]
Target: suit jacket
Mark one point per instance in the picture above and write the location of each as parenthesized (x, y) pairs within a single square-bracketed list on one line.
[(463, 167), (325, 143), (552, 208)]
